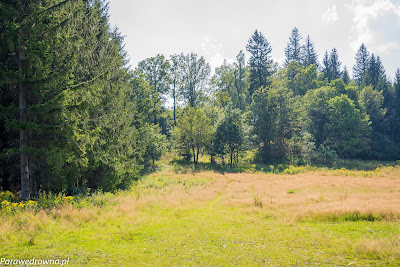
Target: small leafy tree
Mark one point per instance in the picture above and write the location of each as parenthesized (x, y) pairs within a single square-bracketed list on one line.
[(348, 127), (229, 136), (193, 132)]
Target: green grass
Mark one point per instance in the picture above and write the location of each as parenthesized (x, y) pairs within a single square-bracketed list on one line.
[(189, 220), (209, 235)]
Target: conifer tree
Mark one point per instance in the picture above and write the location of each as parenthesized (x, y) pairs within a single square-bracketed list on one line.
[(293, 48), (260, 61), (326, 66), (334, 63), (69, 70), (308, 54), (362, 59), (345, 75), (375, 72)]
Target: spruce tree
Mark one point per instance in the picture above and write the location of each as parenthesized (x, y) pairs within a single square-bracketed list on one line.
[(31, 34), (76, 125), (362, 59), (260, 61), (308, 54), (326, 69), (375, 72), (345, 75), (334, 65), (293, 48)]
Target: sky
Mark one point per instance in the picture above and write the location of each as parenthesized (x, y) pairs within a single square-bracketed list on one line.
[(219, 29)]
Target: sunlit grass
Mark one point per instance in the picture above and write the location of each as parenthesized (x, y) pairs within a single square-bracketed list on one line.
[(207, 218)]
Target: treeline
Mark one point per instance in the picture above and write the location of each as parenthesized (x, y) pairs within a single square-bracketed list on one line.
[(73, 115), (304, 111)]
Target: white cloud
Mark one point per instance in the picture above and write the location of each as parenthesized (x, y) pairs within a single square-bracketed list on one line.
[(330, 16), (366, 16), (213, 53)]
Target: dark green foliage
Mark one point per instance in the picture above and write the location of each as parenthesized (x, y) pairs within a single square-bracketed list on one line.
[(347, 127), (293, 48), (395, 108), (260, 62), (301, 79), (361, 65), (331, 65), (375, 73), (229, 136), (316, 109), (275, 120), (82, 118), (325, 68), (308, 54), (345, 75), (193, 133), (334, 64)]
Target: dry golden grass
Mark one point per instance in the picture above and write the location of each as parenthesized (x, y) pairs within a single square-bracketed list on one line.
[(312, 194)]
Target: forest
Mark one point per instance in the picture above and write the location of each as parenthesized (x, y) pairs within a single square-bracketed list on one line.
[(74, 114)]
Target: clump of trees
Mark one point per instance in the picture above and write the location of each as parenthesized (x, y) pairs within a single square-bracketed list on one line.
[(303, 111), (73, 114)]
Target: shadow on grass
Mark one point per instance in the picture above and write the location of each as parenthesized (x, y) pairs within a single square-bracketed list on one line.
[(183, 166)]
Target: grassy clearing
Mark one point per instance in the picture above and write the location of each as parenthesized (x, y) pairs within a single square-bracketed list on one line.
[(207, 218)]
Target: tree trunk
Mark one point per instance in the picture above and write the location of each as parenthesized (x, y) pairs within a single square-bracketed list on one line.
[(23, 134), (194, 155)]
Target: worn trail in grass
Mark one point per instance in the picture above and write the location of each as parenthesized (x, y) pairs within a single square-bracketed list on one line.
[(213, 219)]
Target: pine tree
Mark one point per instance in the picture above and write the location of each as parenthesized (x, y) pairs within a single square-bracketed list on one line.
[(334, 64), (260, 61), (308, 54), (362, 59), (293, 48)]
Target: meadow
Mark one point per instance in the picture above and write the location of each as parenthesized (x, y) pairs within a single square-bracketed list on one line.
[(301, 216)]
